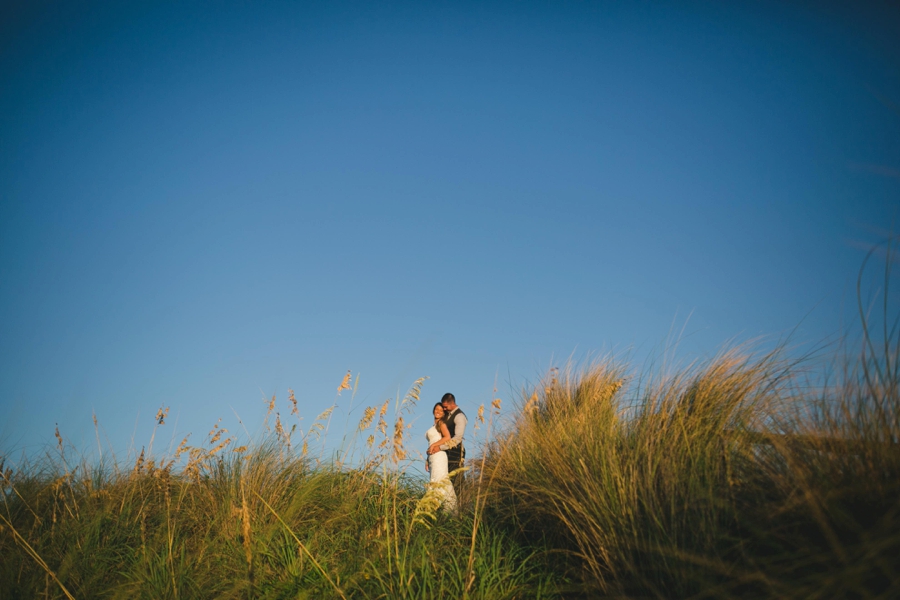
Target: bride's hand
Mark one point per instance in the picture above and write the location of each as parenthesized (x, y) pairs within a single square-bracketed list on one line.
[(426, 466)]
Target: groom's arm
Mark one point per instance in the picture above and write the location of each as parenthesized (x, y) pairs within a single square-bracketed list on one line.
[(458, 432)]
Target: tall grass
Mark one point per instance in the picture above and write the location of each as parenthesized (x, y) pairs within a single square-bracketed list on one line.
[(727, 478), (266, 521)]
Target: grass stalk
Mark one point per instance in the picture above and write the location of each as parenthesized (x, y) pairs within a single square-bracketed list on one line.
[(37, 557), (303, 547)]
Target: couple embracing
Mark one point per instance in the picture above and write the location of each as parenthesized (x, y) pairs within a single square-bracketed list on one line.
[(445, 450)]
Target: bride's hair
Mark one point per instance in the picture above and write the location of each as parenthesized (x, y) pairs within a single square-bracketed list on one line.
[(435, 406)]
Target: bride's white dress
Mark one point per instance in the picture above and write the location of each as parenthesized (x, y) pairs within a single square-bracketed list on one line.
[(437, 466)]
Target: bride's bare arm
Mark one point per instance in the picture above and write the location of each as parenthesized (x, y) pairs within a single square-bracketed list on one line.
[(445, 435)]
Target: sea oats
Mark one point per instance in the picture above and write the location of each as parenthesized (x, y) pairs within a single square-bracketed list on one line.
[(218, 434), (246, 532), (345, 383), (382, 424), (367, 418), (398, 453), (182, 447), (221, 445), (293, 400), (412, 396), (139, 463), (426, 509), (280, 432)]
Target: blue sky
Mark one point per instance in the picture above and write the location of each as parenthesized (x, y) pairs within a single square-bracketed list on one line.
[(202, 205)]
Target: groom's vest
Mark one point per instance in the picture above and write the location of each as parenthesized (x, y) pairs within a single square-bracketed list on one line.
[(457, 453)]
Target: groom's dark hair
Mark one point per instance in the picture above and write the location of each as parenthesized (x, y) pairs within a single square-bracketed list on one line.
[(448, 397)]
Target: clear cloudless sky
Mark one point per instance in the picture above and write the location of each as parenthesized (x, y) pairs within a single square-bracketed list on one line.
[(202, 205)]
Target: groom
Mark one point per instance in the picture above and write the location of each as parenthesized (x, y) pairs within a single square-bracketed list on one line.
[(456, 452)]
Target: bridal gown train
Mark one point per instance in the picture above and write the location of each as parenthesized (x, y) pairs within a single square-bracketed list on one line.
[(440, 480)]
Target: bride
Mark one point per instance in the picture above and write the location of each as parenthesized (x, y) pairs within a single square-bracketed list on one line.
[(436, 463)]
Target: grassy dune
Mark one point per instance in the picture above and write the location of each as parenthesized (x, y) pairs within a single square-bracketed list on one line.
[(724, 479), (708, 483)]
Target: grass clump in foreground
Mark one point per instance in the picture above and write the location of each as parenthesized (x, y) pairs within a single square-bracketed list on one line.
[(726, 479)]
